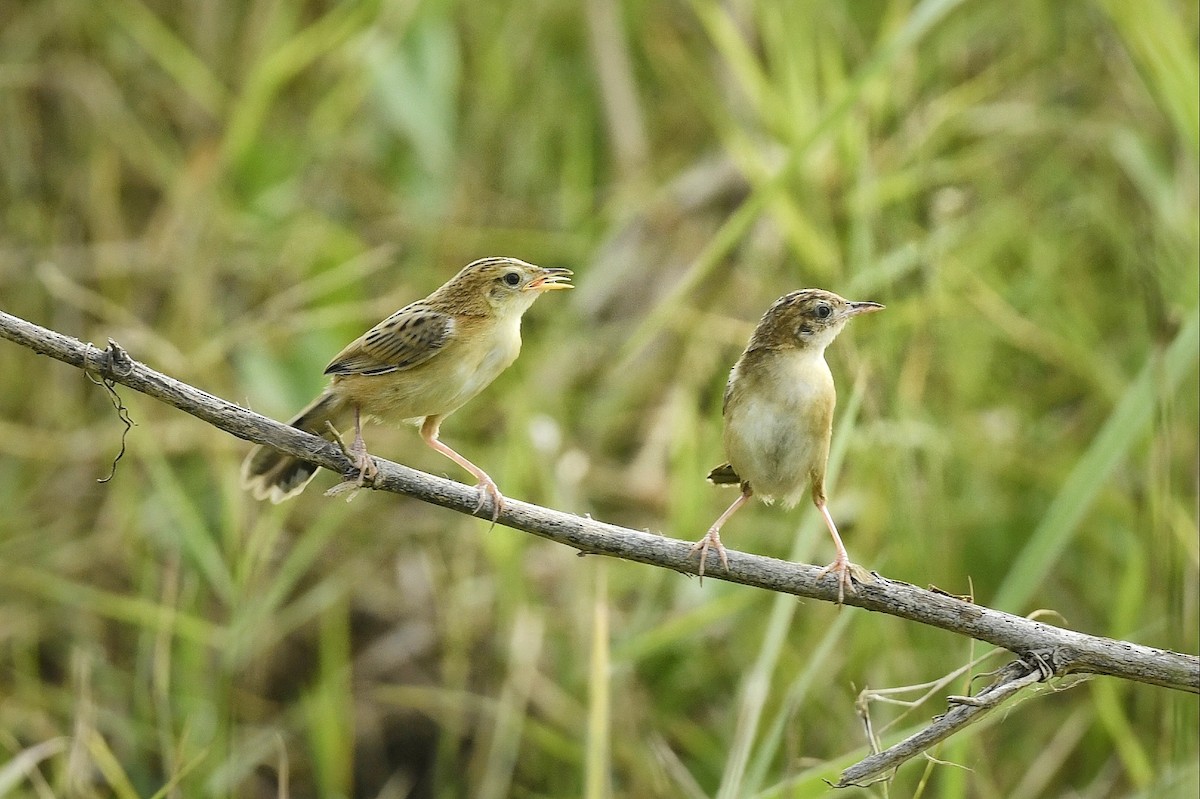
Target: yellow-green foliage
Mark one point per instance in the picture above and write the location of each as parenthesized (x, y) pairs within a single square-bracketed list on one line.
[(233, 190)]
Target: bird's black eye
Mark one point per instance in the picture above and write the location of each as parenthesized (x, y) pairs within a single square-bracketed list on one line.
[(823, 311), (512, 278)]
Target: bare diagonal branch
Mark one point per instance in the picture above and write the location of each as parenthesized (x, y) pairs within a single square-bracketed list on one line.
[(1073, 651)]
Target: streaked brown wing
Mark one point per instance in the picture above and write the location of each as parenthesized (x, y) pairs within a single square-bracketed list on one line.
[(410, 336)]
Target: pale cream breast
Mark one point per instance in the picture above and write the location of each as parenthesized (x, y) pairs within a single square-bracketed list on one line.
[(777, 421), (475, 373)]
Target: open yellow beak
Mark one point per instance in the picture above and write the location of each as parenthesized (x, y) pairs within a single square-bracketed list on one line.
[(550, 279)]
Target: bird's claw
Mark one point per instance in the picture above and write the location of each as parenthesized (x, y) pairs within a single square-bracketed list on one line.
[(487, 488), (362, 461), (711, 538), (844, 572), (367, 470)]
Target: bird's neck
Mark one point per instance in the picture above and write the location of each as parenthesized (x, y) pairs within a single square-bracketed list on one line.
[(781, 368), (476, 304), (793, 350)]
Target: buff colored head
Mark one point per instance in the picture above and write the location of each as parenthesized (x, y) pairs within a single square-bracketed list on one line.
[(807, 318)]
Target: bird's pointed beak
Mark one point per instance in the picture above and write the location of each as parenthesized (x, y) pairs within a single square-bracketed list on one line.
[(857, 308), (551, 279)]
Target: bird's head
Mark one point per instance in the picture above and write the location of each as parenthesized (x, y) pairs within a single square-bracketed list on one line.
[(807, 318), (501, 286)]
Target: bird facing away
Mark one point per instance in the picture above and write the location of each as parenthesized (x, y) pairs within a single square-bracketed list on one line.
[(419, 365), (778, 413)]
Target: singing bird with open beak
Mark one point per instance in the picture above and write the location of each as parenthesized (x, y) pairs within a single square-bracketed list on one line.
[(419, 365), (778, 413)]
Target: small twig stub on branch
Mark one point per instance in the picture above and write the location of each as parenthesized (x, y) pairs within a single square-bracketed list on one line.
[(117, 364)]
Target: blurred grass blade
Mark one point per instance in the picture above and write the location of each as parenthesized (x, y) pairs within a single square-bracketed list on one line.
[(786, 713), (170, 52), (738, 55), (191, 530), (416, 85), (107, 763), (169, 787), (143, 612), (1124, 428), (525, 647), (1106, 697), (263, 84), (1160, 47), (329, 707), (919, 23), (715, 251), (14, 772), (597, 765)]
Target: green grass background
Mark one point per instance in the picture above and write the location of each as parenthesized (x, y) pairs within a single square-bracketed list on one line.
[(233, 190)]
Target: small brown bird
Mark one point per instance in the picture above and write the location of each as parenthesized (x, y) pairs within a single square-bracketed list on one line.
[(419, 365), (778, 413)]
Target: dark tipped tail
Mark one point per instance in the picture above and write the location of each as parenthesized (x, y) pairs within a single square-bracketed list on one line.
[(270, 474), (724, 475)]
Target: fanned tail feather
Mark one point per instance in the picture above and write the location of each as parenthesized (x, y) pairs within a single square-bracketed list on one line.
[(724, 475), (270, 474)]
